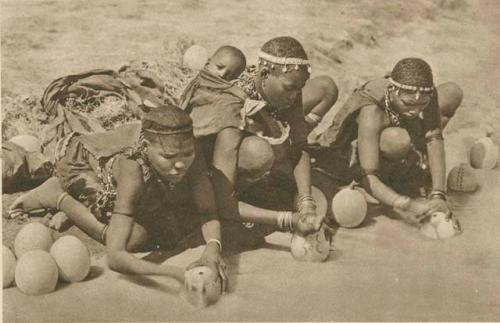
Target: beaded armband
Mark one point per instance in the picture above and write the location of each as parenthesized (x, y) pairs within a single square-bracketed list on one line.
[(313, 118), (433, 137), (219, 244), (366, 172)]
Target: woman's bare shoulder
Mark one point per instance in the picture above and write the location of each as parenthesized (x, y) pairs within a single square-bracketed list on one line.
[(372, 116), (126, 170)]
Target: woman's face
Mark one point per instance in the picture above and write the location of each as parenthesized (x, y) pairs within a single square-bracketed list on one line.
[(282, 89), (410, 103), (171, 155)]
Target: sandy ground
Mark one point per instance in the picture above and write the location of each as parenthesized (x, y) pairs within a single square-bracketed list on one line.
[(384, 270)]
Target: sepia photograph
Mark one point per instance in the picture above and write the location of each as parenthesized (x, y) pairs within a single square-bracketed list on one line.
[(250, 160)]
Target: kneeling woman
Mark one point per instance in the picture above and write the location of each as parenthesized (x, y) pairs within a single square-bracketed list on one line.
[(138, 186), (407, 100)]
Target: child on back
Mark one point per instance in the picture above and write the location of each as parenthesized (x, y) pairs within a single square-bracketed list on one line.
[(217, 106), (214, 102), (227, 62), (266, 109)]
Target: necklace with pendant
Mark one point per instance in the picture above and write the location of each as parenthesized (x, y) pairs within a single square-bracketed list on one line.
[(152, 172), (393, 115), (166, 184), (274, 113)]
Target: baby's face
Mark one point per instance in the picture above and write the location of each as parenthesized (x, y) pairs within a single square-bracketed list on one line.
[(226, 66)]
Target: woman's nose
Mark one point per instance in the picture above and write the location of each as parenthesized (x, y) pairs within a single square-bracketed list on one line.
[(179, 165)]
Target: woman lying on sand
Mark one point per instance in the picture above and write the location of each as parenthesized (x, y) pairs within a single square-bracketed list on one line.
[(137, 187), (405, 109)]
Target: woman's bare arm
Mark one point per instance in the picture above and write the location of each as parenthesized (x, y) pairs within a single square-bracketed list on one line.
[(130, 184), (370, 124)]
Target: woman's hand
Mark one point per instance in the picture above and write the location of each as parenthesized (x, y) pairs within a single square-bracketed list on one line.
[(306, 223), (212, 258), (414, 211), (438, 205)]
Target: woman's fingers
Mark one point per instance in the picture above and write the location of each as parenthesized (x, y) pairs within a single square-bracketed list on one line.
[(422, 218), (194, 264), (187, 284), (220, 266), (223, 275), (319, 222)]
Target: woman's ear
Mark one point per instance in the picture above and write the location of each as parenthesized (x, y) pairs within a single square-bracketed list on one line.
[(145, 143), (264, 72)]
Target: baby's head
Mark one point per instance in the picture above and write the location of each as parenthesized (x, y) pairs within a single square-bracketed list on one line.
[(228, 62)]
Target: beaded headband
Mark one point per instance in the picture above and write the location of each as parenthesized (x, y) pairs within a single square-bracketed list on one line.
[(285, 61), (411, 87)]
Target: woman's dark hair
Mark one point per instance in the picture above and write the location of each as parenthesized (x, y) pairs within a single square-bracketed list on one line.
[(413, 71), (284, 47), (166, 120)]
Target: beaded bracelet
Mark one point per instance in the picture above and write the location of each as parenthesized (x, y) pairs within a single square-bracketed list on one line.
[(433, 137), (284, 220), (365, 172), (438, 194), (313, 118), (217, 242), (304, 198), (60, 199), (305, 201)]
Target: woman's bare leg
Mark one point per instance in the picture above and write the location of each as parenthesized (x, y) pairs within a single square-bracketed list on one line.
[(319, 95), (226, 152), (450, 97)]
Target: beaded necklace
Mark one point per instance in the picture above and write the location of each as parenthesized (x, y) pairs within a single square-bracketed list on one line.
[(247, 83), (394, 117), (150, 172)]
